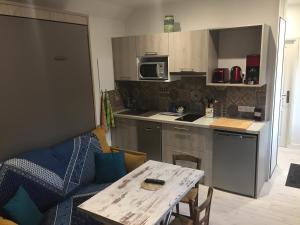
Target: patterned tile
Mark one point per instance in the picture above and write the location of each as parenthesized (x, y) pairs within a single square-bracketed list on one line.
[(192, 92)]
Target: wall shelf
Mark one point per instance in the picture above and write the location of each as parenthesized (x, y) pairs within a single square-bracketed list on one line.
[(230, 47), (235, 85)]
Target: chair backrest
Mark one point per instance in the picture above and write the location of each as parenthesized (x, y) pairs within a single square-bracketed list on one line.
[(205, 206), (187, 158)]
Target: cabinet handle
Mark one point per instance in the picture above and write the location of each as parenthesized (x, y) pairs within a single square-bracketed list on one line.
[(186, 69), (151, 53), (148, 129), (181, 128)]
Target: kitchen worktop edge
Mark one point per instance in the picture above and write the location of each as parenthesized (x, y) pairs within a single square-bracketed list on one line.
[(203, 122)]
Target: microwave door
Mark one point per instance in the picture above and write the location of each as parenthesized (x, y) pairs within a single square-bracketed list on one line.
[(149, 71)]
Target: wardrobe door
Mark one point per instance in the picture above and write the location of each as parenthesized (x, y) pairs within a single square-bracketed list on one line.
[(46, 88)]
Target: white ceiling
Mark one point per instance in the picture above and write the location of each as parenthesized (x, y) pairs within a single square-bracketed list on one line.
[(293, 1)]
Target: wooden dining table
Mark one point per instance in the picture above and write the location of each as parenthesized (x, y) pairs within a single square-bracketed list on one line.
[(126, 202)]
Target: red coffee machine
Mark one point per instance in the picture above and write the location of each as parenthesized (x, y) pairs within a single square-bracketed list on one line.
[(252, 69)]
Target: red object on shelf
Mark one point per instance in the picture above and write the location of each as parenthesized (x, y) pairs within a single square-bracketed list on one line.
[(253, 60), (221, 75), (252, 69), (236, 75)]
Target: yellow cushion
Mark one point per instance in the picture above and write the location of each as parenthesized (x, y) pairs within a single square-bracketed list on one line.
[(6, 222), (133, 159), (101, 135)]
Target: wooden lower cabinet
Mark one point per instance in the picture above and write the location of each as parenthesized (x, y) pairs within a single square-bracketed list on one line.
[(176, 139), (124, 135), (188, 140)]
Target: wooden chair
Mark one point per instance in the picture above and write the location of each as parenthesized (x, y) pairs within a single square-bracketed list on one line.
[(197, 220), (192, 197)]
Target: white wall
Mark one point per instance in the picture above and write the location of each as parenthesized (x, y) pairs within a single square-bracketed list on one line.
[(201, 14), (293, 70), (295, 109), (101, 31), (293, 21)]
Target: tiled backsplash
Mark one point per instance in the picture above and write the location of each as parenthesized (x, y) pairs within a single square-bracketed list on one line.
[(191, 93)]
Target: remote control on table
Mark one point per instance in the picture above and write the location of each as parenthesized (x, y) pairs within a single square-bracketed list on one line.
[(154, 181)]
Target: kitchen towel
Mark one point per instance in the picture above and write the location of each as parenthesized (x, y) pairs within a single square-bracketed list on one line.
[(107, 117)]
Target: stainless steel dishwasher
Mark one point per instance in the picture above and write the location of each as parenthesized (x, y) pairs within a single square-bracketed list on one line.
[(234, 162), (149, 139)]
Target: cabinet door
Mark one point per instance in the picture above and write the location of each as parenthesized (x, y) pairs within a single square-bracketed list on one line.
[(188, 140), (206, 160), (124, 56), (124, 135), (188, 51), (156, 44), (182, 137)]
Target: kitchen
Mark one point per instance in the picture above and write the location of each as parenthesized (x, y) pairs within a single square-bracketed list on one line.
[(199, 92)]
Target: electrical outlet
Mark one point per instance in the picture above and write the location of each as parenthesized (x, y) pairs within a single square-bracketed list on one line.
[(241, 108), (246, 109), (164, 91)]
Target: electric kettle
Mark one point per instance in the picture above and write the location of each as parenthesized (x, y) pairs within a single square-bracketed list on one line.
[(236, 75)]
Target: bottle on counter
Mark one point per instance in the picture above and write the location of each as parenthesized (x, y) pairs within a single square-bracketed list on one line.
[(209, 111)]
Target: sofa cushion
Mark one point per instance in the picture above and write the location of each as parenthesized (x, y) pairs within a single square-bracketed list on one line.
[(22, 209), (109, 167), (133, 159), (49, 175), (101, 135), (66, 212), (6, 222)]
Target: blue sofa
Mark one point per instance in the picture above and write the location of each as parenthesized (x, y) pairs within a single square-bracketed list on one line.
[(57, 179)]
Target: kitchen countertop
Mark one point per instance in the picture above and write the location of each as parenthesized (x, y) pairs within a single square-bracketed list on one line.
[(203, 122)]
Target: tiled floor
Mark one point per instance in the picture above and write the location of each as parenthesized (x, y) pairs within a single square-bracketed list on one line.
[(278, 205)]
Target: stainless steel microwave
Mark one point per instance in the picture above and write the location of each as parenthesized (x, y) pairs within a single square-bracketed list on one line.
[(153, 68)]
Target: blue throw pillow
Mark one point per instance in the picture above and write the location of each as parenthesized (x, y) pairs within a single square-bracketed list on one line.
[(110, 167), (22, 209)]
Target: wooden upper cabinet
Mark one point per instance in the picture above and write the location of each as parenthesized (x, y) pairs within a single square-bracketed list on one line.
[(124, 57), (189, 51), (154, 44)]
